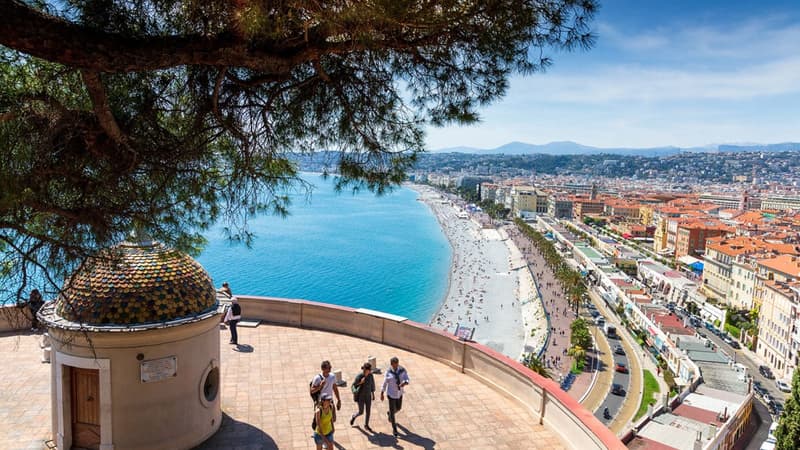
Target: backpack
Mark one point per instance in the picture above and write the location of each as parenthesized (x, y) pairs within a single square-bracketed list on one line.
[(315, 395), (355, 388)]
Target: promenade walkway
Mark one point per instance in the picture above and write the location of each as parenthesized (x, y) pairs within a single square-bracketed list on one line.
[(559, 313), (266, 405)]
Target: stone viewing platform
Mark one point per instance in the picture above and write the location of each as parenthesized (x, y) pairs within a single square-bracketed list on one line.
[(462, 394)]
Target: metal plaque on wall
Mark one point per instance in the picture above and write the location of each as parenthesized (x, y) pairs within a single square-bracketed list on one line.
[(158, 369)]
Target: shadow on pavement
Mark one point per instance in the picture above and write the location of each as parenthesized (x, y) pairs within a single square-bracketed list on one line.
[(243, 348), (235, 434)]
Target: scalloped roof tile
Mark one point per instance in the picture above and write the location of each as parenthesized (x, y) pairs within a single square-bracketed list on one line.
[(137, 283)]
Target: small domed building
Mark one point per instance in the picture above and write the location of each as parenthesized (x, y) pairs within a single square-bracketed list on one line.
[(135, 352)]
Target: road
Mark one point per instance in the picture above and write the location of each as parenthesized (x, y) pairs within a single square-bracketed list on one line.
[(759, 407), (741, 357), (614, 402), (621, 409)]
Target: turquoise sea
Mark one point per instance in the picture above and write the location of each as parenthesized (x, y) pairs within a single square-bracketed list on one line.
[(385, 253)]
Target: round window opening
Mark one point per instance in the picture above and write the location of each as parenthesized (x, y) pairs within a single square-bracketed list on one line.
[(211, 385)]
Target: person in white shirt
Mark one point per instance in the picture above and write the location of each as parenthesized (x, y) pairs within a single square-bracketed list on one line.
[(232, 318), (394, 381), (325, 383)]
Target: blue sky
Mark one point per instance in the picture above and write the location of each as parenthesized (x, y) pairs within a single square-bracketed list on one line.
[(684, 73)]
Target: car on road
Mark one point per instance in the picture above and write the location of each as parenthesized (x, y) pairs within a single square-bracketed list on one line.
[(619, 350), (730, 341), (621, 367), (617, 389), (782, 386), (766, 372)]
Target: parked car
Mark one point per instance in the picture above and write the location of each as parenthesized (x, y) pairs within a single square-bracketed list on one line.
[(758, 389), (617, 389), (730, 341), (594, 313), (783, 386), (619, 350), (766, 372), (621, 367), (767, 399), (702, 335), (600, 321)]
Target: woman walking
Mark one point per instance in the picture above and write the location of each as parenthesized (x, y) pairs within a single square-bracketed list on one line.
[(325, 415), (364, 394)]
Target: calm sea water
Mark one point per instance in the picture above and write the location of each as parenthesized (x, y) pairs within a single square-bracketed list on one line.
[(385, 253)]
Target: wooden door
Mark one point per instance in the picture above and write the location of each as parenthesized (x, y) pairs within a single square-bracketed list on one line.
[(85, 408)]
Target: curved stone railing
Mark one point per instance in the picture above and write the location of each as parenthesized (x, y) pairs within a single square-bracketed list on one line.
[(14, 318), (552, 407)]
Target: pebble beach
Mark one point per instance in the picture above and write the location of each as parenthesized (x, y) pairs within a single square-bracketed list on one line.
[(490, 287)]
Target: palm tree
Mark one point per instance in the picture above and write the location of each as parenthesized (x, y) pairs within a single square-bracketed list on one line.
[(536, 365)]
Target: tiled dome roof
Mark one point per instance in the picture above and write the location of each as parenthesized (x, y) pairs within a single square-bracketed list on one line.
[(137, 283)]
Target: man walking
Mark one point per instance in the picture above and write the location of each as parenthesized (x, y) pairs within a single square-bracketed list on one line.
[(325, 383), (394, 381)]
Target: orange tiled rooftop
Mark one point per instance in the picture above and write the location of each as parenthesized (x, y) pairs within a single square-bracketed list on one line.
[(788, 264), (740, 245)]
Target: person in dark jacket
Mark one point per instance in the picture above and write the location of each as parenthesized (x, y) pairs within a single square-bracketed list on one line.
[(232, 317), (365, 395), (35, 303)]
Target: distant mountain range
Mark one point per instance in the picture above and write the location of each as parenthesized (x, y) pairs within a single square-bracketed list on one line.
[(573, 148)]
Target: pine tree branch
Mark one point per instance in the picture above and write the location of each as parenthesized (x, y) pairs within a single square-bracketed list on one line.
[(102, 110)]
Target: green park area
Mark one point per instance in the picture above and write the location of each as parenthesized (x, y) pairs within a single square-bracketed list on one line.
[(649, 395)]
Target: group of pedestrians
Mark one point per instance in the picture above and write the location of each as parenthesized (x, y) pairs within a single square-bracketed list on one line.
[(553, 299), (323, 389)]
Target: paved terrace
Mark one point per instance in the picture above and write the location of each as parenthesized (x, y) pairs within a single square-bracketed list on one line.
[(265, 398)]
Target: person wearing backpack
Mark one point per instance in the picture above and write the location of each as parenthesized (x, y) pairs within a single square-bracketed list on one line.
[(394, 381), (324, 383), (364, 393), (232, 317), (324, 418)]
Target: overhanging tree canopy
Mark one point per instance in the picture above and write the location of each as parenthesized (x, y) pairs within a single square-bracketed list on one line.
[(173, 114)]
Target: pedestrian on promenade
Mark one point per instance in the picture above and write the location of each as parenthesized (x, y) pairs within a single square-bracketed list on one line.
[(325, 383), (364, 394), (325, 417), (232, 318), (394, 381), (225, 290)]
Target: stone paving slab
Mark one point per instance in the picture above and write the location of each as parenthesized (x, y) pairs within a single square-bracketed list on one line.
[(24, 393), (266, 404)]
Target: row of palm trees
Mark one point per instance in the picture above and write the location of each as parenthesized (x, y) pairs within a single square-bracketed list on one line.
[(571, 280)]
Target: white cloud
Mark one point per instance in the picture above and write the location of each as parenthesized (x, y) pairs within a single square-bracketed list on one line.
[(750, 40), (649, 84), (680, 85)]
